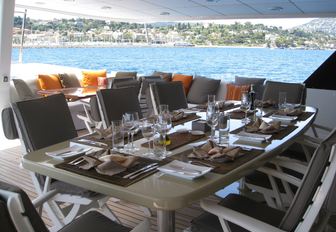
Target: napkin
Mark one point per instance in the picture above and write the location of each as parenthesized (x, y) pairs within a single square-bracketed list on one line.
[(88, 162), (264, 127), (177, 115), (114, 164), (214, 153)]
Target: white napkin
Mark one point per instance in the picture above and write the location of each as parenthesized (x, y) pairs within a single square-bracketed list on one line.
[(68, 152)]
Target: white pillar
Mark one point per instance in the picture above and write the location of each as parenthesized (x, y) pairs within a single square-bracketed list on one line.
[(6, 33)]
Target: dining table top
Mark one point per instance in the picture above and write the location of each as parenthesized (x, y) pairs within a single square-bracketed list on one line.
[(161, 191), (73, 93)]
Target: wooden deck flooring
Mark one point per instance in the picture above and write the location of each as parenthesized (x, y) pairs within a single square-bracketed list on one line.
[(129, 214)]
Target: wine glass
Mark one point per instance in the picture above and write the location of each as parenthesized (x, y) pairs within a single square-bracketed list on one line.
[(147, 130), (162, 126), (245, 106), (128, 124), (212, 119), (134, 130)]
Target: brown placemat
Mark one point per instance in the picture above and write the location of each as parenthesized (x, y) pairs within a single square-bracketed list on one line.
[(239, 114), (278, 135), (179, 139), (302, 117), (203, 108), (115, 179), (220, 168), (94, 137), (190, 117)]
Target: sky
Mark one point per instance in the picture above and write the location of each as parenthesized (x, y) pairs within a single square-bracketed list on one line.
[(285, 23)]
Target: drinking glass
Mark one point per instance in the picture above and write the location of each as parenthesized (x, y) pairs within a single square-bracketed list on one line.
[(162, 127), (117, 135), (211, 99), (134, 130), (282, 100), (223, 127), (147, 130), (212, 119), (128, 124), (245, 106)]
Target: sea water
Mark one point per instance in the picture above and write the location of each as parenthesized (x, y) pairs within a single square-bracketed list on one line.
[(216, 62)]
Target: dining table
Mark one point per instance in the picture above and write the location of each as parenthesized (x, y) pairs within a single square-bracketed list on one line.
[(166, 193)]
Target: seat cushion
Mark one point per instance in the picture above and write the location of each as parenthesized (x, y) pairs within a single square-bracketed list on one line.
[(69, 80), (94, 221), (209, 223), (90, 77), (23, 90), (185, 79), (200, 89), (234, 92), (258, 84), (49, 81)]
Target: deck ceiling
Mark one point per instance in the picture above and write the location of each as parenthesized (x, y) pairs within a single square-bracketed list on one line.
[(184, 10)]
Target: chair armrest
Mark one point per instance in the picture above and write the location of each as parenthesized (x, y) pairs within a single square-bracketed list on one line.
[(40, 200), (142, 227), (237, 218)]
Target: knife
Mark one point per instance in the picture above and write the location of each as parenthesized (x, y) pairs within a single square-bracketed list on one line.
[(140, 170), (92, 142), (143, 172)]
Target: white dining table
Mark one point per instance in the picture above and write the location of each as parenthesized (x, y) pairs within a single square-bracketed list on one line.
[(165, 193)]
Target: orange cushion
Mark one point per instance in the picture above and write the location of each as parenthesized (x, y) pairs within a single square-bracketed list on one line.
[(186, 80), (234, 92), (49, 81), (90, 77)]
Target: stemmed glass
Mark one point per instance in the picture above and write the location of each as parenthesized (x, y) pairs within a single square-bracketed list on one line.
[(163, 125), (134, 130), (147, 130), (245, 106), (129, 121), (212, 119)]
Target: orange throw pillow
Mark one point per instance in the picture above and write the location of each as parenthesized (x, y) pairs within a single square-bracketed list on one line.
[(49, 81), (234, 92), (90, 77), (186, 81)]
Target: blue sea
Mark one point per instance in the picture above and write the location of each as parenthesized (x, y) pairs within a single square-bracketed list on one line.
[(220, 63)]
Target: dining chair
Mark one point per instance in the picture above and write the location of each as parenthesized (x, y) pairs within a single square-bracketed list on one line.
[(295, 92), (168, 93), (18, 213), (144, 96), (91, 115), (315, 195), (43, 122), (113, 103), (128, 83)]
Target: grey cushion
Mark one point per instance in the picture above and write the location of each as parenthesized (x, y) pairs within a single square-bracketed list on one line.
[(8, 124), (209, 223), (164, 75), (94, 221), (126, 75), (309, 184), (200, 89), (29, 209), (69, 80), (115, 102), (258, 84), (295, 91), (171, 94), (23, 90)]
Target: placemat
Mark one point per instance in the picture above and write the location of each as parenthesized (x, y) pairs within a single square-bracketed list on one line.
[(220, 168), (302, 117), (179, 139), (239, 114), (189, 118), (115, 179), (278, 135)]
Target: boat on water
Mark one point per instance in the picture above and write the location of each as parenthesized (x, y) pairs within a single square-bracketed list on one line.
[(320, 85), (183, 44)]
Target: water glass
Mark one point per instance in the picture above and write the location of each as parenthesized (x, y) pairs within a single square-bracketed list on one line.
[(282, 100), (117, 135), (147, 130), (212, 119), (128, 124), (223, 127), (211, 99), (159, 146), (163, 109)]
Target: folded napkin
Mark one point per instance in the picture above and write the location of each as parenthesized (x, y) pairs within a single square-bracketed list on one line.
[(88, 162), (177, 115), (264, 127), (104, 133), (290, 112), (214, 153)]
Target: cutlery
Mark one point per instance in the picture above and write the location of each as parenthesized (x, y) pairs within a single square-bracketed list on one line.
[(93, 142), (143, 172), (140, 170)]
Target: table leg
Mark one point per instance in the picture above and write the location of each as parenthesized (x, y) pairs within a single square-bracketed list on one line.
[(166, 220)]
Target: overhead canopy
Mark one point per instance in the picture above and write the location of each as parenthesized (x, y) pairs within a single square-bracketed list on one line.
[(184, 10)]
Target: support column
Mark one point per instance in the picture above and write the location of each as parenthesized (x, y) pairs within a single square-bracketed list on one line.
[(6, 34), (166, 220)]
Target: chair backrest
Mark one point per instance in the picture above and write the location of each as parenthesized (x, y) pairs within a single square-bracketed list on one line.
[(126, 75), (113, 103), (146, 81), (20, 211), (295, 91), (44, 121), (94, 109), (129, 83), (169, 93), (305, 198)]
